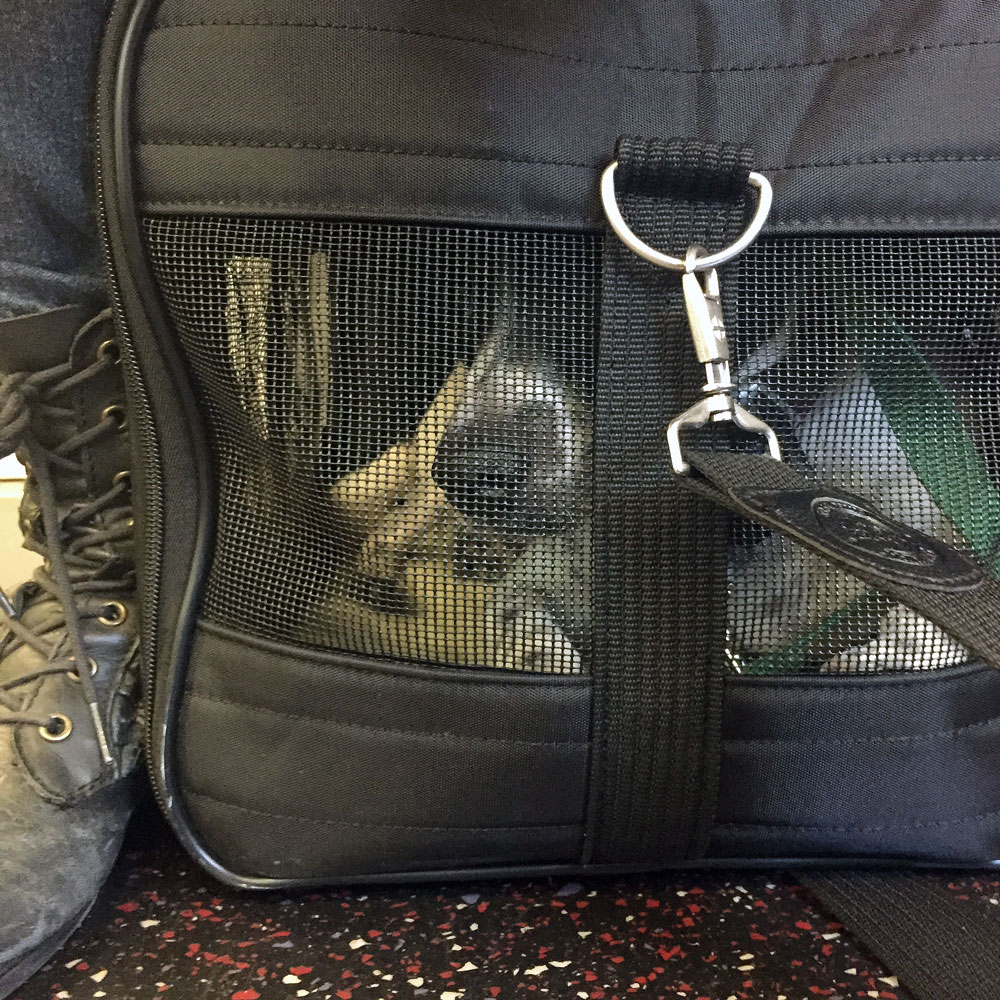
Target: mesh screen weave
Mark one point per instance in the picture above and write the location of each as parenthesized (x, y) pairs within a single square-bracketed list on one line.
[(401, 420), (401, 417), (877, 360)]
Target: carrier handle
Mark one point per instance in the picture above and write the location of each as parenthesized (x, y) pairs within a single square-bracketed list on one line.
[(942, 584)]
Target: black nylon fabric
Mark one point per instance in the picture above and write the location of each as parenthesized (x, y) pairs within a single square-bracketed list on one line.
[(939, 946), (893, 767), (794, 753), (869, 116), (396, 767), (660, 554)]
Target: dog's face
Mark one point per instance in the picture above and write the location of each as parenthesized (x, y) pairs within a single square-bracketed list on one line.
[(395, 517), (437, 522), (513, 454)]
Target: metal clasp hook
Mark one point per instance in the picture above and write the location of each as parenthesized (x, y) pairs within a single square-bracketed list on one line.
[(703, 299), (704, 309)]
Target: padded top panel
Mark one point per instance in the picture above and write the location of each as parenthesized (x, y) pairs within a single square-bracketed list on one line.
[(868, 116)]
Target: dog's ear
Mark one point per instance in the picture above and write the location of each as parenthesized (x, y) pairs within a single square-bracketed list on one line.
[(496, 345)]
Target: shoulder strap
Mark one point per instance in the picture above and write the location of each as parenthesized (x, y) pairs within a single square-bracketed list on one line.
[(946, 586), (938, 945)]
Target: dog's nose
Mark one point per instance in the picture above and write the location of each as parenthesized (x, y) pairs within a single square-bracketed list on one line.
[(511, 466)]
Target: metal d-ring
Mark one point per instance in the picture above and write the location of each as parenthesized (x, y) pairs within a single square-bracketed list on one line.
[(644, 250)]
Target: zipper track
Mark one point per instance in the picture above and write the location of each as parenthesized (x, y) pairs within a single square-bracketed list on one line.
[(142, 417)]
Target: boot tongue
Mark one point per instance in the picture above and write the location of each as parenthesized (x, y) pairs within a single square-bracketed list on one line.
[(33, 343), (37, 612), (41, 340)]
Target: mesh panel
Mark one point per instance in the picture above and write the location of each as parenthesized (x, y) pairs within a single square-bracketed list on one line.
[(877, 360), (402, 423), (401, 419)]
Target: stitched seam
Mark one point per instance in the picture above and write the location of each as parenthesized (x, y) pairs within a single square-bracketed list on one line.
[(566, 57), (899, 679), (861, 829), (879, 160), (254, 204), (909, 220), (849, 741), (157, 142), (367, 826), (383, 730), (377, 150)]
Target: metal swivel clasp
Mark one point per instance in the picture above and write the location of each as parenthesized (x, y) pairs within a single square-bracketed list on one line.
[(704, 309), (703, 298)]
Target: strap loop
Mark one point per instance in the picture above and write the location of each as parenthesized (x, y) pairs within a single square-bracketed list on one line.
[(659, 553), (702, 263)]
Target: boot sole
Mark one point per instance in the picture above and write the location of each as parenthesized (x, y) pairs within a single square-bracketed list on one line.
[(16, 976)]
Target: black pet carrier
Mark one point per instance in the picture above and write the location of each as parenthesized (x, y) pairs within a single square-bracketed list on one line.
[(434, 582)]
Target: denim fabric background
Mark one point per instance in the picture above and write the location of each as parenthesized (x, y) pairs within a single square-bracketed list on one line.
[(49, 252)]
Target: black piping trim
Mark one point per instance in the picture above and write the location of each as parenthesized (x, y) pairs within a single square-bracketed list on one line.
[(322, 660), (853, 685), (436, 214), (491, 157), (122, 182), (445, 215)]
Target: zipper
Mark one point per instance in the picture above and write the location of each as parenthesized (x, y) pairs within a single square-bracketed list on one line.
[(142, 420)]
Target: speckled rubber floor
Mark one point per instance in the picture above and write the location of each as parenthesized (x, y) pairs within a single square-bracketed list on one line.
[(163, 927)]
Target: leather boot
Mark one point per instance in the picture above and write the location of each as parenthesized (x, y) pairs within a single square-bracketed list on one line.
[(69, 739)]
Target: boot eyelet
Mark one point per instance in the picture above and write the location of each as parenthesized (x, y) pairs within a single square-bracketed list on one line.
[(57, 728), (116, 413), (110, 351), (91, 662), (125, 476), (115, 613)]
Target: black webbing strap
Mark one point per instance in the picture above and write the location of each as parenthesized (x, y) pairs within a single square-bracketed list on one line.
[(940, 947), (660, 558), (944, 586)]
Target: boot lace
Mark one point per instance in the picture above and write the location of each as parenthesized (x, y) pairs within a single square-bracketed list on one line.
[(78, 548)]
